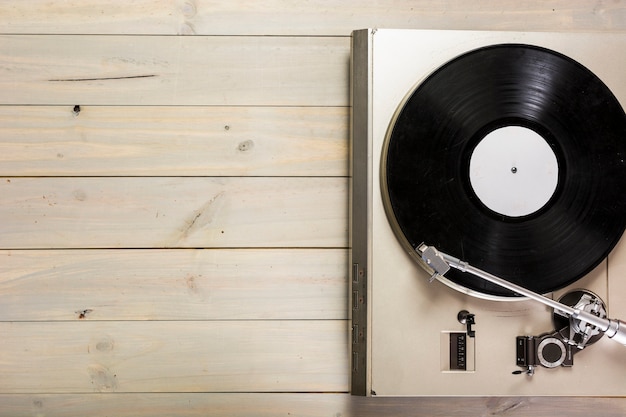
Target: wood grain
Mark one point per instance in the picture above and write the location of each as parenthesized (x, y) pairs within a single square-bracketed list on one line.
[(173, 212), (215, 80), (302, 405), (284, 17), (174, 356), (217, 284), (167, 70), (173, 141)]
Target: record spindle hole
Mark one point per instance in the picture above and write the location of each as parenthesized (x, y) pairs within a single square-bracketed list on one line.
[(513, 171)]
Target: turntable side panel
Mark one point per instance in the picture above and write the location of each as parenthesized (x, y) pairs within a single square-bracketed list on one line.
[(360, 213)]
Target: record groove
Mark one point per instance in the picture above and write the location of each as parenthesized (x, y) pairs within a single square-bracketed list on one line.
[(425, 168)]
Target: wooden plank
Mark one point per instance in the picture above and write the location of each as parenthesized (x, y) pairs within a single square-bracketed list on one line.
[(486, 406), (284, 17), (174, 356), (183, 404), (303, 405), (172, 212), (181, 141), (168, 70), (211, 284)]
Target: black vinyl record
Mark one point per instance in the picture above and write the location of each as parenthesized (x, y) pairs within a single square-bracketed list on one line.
[(425, 176)]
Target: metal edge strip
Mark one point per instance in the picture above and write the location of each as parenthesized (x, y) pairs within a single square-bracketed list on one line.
[(360, 209)]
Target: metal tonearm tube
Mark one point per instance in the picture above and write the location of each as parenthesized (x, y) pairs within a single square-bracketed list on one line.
[(441, 263)]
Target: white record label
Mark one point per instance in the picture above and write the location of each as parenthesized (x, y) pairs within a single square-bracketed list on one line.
[(513, 171)]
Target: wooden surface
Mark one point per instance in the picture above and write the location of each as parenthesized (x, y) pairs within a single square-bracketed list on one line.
[(174, 356), (173, 212), (173, 141), (152, 284), (300, 404), (177, 243), (171, 70), (286, 17)]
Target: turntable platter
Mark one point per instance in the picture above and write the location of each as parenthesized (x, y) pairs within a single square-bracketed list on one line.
[(511, 157)]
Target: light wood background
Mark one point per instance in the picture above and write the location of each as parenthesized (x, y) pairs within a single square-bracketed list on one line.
[(173, 234)]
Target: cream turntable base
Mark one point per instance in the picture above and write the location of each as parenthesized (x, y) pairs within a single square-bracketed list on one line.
[(506, 150)]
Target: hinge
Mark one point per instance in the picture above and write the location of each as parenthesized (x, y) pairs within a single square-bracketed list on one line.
[(359, 330)]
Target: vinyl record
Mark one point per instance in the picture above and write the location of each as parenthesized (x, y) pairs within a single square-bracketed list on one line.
[(540, 126)]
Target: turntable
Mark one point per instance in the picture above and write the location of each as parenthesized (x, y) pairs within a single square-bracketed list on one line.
[(487, 211)]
